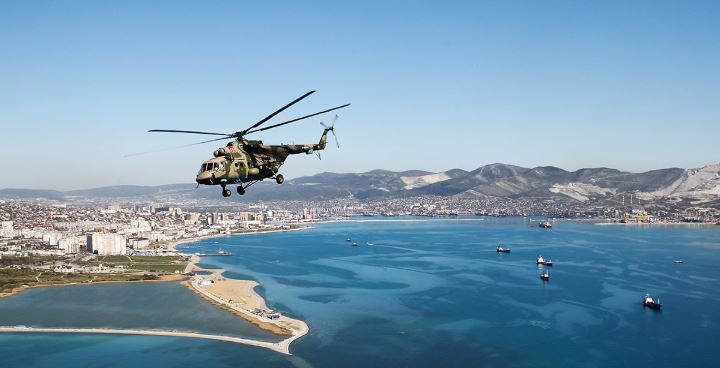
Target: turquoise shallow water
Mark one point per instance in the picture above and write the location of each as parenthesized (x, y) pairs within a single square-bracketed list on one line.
[(143, 305), (435, 293)]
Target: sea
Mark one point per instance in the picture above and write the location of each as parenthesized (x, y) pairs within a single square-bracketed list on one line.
[(414, 292)]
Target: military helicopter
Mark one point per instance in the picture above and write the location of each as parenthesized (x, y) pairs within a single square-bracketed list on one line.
[(246, 162)]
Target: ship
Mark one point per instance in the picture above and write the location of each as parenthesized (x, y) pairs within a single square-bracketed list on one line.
[(542, 261), (545, 276), (651, 303), (545, 225)]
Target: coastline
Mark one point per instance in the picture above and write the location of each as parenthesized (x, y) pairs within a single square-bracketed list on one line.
[(172, 245), (697, 224), (240, 298), (227, 290), (161, 278)]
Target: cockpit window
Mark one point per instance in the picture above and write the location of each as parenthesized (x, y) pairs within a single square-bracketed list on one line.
[(212, 166)]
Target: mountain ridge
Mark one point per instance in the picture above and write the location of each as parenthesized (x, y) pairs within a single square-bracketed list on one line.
[(699, 185)]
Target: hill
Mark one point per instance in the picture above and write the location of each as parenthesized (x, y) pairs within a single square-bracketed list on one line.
[(693, 186)]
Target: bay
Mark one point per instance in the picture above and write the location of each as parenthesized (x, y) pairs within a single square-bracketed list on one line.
[(435, 293)]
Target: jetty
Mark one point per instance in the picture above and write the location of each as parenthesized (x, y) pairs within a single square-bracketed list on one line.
[(280, 347)]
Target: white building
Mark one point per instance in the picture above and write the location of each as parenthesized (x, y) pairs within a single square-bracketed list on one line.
[(139, 243), (154, 236), (71, 245), (106, 244), (7, 229), (64, 269)]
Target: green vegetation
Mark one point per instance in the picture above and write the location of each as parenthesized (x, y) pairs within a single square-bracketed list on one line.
[(113, 259), (159, 264), (13, 278), (27, 261)]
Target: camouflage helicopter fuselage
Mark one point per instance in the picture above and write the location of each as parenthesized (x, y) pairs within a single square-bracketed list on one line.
[(247, 161)]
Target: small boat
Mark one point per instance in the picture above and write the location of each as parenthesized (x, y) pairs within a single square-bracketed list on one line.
[(354, 244), (678, 261), (545, 225), (348, 240), (545, 276), (652, 303), (542, 261), (500, 249)]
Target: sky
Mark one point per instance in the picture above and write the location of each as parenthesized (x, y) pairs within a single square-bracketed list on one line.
[(434, 85)]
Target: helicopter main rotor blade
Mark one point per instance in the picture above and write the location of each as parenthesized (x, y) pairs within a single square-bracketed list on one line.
[(243, 132), (175, 147), (186, 131), (294, 120), (208, 141)]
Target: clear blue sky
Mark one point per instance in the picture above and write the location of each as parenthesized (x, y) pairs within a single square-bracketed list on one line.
[(632, 85)]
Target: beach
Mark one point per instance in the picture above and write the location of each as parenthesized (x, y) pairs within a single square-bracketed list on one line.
[(239, 297)]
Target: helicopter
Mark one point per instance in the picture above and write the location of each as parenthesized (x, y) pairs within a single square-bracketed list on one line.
[(245, 162)]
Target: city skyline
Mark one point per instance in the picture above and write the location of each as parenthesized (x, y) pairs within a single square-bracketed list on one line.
[(432, 86)]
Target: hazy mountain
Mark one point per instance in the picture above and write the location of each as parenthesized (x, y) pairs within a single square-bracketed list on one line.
[(496, 180), (30, 193)]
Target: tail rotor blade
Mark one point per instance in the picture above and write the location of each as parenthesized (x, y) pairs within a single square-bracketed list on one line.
[(336, 140)]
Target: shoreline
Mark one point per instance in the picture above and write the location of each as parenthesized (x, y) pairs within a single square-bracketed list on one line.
[(161, 278), (283, 326), (278, 347), (698, 224), (240, 298), (172, 245)]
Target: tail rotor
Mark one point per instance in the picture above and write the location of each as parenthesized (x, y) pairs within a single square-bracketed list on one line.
[(331, 129)]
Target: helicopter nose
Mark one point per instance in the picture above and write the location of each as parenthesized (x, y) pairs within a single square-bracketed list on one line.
[(204, 177)]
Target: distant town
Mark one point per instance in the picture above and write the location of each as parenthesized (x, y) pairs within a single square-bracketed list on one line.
[(50, 228)]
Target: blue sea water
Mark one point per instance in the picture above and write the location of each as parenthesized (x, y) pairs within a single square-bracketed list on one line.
[(435, 293)]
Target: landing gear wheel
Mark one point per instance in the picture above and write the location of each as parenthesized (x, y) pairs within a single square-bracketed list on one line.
[(279, 179), (226, 193), (241, 190)]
